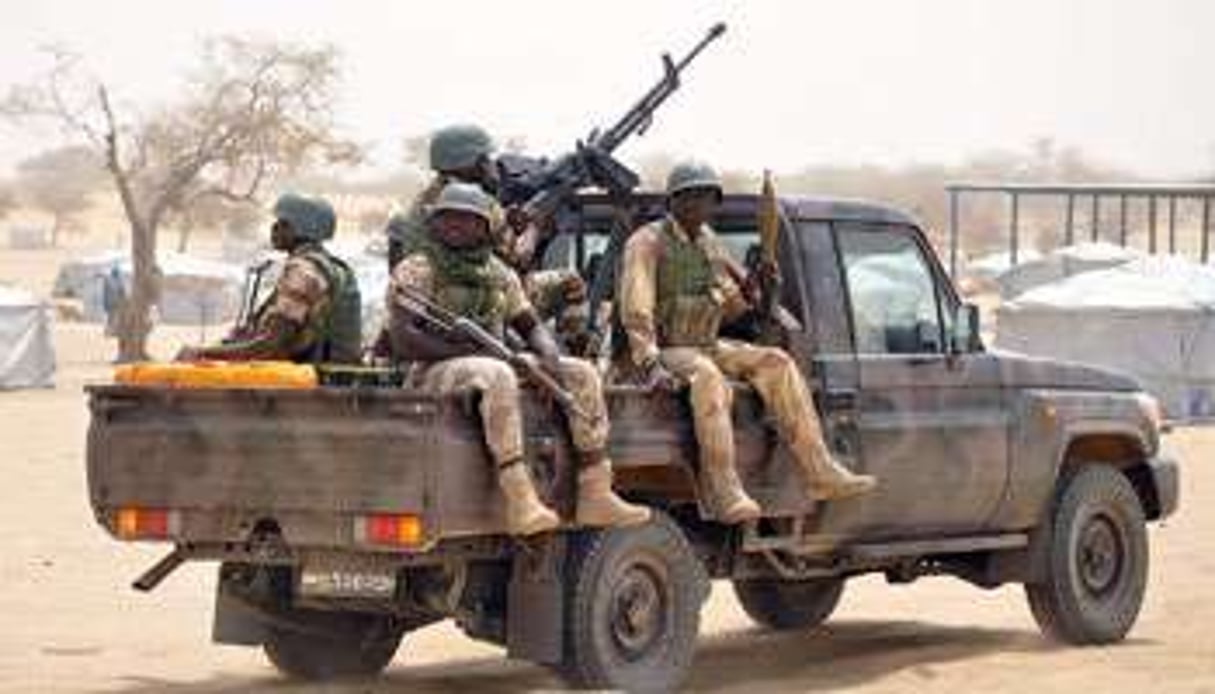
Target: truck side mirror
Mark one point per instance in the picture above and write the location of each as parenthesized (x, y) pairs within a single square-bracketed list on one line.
[(966, 330)]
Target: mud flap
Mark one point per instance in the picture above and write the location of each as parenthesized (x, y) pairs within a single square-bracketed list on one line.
[(236, 623), (535, 609)]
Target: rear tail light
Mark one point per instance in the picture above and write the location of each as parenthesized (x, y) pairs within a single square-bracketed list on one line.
[(395, 529), (136, 523)]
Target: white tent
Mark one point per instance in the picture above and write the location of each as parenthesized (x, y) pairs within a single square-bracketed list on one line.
[(1061, 263), (27, 359), (993, 265), (1153, 318), (194, 291)]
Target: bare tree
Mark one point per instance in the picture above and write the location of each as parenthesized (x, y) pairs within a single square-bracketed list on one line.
[(60, 182), (251, 112), (214, 213)]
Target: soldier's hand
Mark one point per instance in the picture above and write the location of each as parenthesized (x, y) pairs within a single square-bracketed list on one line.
[(551, 364), (658, 377), (188, 353), (573, 290)]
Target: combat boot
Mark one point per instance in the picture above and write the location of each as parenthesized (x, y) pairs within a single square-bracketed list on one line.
[(525, 513), (826, 479), (598, 505), (726, 495)]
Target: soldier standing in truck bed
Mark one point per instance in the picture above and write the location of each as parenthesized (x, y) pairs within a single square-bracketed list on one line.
[(677, 287), (456, 268)]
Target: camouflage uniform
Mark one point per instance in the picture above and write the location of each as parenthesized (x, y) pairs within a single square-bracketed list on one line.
[(675, 291), (300, 320), (472, 282), (494, 378)]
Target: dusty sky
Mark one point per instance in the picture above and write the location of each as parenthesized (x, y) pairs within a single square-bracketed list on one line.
[(791, 84)]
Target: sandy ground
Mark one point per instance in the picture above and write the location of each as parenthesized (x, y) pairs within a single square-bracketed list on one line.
[(71, 623)]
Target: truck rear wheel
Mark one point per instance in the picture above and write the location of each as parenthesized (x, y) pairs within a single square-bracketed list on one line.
[(634, 609), (1096, 560), (778, 604), (313, 645)]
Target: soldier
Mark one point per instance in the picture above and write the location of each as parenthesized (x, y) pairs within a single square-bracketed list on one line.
[(460, 153), (464, 153), (677, 287), (459, 271), (314, 312)]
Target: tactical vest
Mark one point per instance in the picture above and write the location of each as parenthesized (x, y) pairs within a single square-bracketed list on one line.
[(476, 291), (689, 303), (336, 335)]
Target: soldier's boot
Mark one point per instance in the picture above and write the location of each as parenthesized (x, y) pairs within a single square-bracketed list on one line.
[(525, 513), (826, 479), (726, 494), (598, 505)]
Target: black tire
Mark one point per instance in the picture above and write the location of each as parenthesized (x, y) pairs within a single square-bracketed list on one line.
[(1096, 560), (783, 605), (312, 645), (633, 614)]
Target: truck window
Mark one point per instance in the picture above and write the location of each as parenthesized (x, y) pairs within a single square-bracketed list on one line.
[(891, 292)]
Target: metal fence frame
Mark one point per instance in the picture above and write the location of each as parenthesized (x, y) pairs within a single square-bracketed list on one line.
[(1151, 192)]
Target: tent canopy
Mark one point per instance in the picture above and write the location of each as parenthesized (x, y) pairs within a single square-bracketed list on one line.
[(27, 358), (1153, 318)]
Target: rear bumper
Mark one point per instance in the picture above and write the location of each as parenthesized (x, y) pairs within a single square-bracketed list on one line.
[(1166, 480)]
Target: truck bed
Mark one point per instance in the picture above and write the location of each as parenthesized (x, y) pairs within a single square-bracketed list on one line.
[(312, 461)]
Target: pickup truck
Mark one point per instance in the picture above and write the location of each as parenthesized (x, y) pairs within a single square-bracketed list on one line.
[(345, 516)]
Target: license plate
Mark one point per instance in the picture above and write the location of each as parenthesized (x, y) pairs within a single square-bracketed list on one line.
[(329, 582)]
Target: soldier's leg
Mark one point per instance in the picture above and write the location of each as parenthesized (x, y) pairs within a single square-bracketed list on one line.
[(783, 390), (598, 505), (711, 400), (495, 380)]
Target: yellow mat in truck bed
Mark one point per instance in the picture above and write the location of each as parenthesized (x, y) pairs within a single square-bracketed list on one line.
[(218, 374)]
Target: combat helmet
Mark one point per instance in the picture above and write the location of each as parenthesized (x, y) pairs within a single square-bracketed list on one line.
[(464, 197), (692, 174), (311, 218), (459, 147)]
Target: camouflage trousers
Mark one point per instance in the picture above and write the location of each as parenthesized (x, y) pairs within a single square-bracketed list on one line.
[(773, 374), (501, 408)]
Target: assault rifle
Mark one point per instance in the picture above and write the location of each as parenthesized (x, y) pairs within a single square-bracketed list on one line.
[(249, 296), (442, 320)]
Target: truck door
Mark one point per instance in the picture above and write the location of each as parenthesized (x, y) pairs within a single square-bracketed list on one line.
[(928, 420)]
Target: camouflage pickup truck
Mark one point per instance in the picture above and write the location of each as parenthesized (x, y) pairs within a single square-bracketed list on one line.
[(346, 516)]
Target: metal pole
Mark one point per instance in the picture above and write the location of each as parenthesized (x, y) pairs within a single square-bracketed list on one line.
[(1151, 224), (1206, 227), (1013, 230), (953, 233), (1172, 224), (1095, 217), (1122, 220), (1069, 234)]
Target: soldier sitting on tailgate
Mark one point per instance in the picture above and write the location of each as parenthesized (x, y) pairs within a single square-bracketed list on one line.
[(455, 267), (676, 289), (314, 313)]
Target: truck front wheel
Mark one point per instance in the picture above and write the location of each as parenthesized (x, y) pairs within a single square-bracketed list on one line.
[(312, 645), (778, 604), (634, 608), (1096, 560)]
